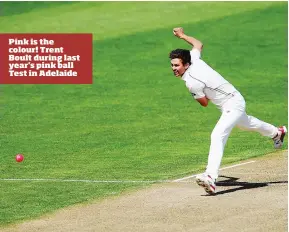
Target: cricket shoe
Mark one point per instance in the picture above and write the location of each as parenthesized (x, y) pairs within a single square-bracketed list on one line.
[(279, 138), (207, 182)]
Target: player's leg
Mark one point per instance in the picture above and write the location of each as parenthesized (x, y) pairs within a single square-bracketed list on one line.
[(219, 137), (251, 123)]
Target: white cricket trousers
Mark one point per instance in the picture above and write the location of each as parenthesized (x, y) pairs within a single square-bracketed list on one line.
[(233, 114)]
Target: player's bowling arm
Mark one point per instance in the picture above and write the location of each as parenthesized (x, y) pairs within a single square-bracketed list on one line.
[(203, 101), (193, 41), (179, 32)]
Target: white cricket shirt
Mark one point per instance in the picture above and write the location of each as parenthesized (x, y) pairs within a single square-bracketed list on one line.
[(202, 80)]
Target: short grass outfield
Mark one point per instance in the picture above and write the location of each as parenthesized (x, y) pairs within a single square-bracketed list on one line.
[(136, 121)]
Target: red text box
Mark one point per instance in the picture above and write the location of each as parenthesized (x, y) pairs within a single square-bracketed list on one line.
[(46, 58)]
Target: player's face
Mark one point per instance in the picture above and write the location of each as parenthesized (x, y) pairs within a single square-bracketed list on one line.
[(178, 67)]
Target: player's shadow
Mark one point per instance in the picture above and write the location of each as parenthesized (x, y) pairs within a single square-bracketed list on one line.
[(232, 181)]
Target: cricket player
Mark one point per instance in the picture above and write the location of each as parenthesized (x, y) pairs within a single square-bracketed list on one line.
[(206, 85)]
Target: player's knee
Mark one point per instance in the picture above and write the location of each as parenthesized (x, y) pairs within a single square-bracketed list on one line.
[(219, 135), (216, 135)]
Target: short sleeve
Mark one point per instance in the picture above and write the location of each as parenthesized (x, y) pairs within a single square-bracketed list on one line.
[(196, 88), (195, 54)]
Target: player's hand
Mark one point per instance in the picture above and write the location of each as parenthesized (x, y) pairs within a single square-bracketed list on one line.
[(178, 32)]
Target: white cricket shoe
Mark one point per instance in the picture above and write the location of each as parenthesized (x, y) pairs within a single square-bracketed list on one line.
[(279, 138), (207, 182)]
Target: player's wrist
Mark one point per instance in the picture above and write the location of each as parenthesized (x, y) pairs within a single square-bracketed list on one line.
[(183, 36)]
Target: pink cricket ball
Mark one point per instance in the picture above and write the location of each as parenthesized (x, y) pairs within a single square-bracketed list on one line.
[(19, 157)]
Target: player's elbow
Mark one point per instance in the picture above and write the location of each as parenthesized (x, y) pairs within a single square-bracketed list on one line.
[(199, 45), (205, 104), (203, 101)]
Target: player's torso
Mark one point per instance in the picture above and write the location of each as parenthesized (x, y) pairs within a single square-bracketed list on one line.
[(201, 71), (217, 89)]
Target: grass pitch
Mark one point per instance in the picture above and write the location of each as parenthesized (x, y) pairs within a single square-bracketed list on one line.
[(136, 122)]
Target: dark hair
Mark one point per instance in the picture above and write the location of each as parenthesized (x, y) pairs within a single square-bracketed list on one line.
[(182, 54)]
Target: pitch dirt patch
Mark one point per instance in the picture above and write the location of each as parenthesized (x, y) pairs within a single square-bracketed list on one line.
[(252, 197)]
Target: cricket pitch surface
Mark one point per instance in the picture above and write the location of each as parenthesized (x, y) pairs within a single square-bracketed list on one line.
[(251, 197)]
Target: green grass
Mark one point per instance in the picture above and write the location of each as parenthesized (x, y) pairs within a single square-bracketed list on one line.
[(20, 7), (136, 122)]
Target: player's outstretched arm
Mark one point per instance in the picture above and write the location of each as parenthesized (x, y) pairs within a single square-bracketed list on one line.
[(179, 32), (204, 101)]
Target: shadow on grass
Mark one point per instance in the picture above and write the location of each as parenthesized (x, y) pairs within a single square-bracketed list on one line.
[(232, 181)]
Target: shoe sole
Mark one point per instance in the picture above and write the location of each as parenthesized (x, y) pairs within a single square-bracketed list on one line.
[(282, 138), (206, 186)]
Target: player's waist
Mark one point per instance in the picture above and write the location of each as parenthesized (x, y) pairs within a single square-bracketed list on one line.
[(219, 93), (221, 99), (225, 89)]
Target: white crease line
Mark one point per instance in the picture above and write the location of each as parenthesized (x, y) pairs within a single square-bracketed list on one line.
[(233, 166), (113, 181), (90, 181), (85, 181)]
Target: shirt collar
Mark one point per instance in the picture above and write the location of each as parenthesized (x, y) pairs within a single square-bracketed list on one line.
[(184, 76)]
